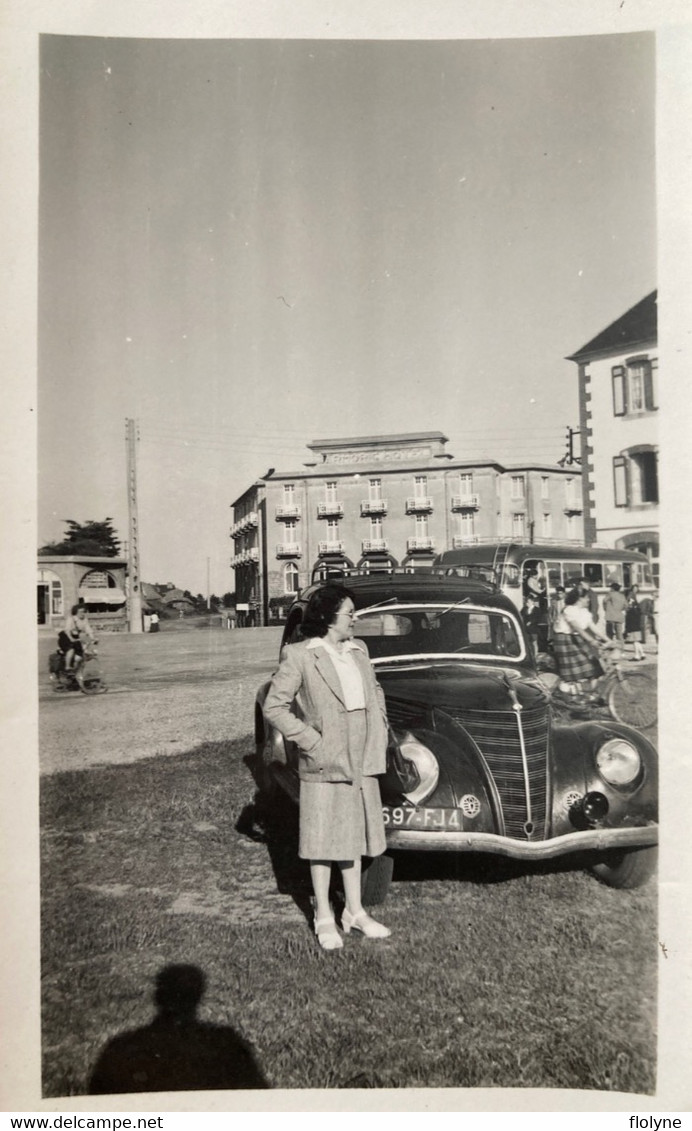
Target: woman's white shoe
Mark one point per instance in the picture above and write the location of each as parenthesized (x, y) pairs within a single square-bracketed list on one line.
[(327, 934), (362, 922)]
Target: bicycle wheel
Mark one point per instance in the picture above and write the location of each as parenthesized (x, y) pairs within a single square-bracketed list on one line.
[(632, 699)]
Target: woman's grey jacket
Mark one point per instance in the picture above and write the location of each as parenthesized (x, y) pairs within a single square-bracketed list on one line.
[(305, 704)]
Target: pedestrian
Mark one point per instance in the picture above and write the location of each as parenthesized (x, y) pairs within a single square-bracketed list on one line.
[(577, 640), (326, 699), (531, 616), (633, 624), (154, 622), (557, 604), (646, 604), (614, 608)]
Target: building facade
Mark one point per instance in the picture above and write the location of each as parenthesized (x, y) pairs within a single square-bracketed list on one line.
[(618, 398), (97, 582), (375, 502)]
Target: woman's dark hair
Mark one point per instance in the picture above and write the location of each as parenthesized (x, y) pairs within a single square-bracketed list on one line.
[(75, 609), (574, 595), (322, 607)]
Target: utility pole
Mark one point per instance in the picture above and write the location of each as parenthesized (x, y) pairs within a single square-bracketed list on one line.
[(208, 589), (134, 592)]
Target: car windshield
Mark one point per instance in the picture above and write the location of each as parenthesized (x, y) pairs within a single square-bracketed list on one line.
[(411, 631)]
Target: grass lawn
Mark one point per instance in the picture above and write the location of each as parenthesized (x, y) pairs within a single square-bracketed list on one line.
[(540, 978)]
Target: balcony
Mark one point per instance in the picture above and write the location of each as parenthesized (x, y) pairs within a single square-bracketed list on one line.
[(247, 522), (465, 502), (422, 504), (288, 550), (373, 506), (245, 557), (573, 508), (287, 510), (461, 540), (335, 547), (375, 545), (330, 510), (420, 545)]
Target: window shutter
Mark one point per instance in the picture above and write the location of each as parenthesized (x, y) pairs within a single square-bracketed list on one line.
[(620, 481), (650, 375), (619, 390)]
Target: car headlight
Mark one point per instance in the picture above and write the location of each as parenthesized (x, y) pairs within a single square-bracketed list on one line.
[(425, 762), (619, 763)]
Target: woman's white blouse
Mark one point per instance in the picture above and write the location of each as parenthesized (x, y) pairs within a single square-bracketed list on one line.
[(347, 670)]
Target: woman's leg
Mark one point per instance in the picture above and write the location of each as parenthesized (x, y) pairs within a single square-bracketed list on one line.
[(350, 875), (320, 873)]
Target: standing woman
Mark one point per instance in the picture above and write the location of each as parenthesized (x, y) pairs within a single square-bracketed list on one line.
[(325, 698), (633, 623)]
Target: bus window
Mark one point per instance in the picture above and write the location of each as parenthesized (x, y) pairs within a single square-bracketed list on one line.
[(572, 573), (554, 575), (627, 574), (593, 572), (640, 574), (511, 575), (613, 572)]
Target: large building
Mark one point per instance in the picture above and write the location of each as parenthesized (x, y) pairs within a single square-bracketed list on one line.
[(67, 580), (381, 501), (618, 397)]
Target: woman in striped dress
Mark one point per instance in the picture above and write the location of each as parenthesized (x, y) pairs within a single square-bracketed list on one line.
[(576, 641)]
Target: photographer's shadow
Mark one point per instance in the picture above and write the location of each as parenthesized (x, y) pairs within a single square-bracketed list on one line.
[(176, 1052)]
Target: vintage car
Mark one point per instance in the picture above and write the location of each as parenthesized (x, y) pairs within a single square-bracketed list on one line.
[(479, 760)]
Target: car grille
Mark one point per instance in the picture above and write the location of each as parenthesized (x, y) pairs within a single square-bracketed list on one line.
[(497, 736)]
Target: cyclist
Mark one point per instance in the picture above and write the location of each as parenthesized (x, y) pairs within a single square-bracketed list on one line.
[(71, 640), (577, 641)]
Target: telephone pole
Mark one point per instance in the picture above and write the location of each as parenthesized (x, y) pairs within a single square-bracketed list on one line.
[(134, 590)]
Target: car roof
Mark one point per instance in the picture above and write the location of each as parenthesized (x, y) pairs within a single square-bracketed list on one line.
[(418, 588)]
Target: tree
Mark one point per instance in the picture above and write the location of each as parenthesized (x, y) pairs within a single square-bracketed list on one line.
[(94, 539)]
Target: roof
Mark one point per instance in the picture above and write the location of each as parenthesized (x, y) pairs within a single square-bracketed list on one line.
[(417, 588), (83, 559), (635, 327), (382, 438)]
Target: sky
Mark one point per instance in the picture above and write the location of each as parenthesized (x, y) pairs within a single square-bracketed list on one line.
[(246, 245)]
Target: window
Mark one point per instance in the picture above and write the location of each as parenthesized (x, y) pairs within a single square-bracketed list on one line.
[(420, 486), (571, 493), (290, 531), (330, 491), (547, 526), (466, 524), (56, 598), (635, 477), (375, 490), (375, 529), (554, 570), (643, 478), (290, 577), (421, 526), (593, 572), (545, 487), (465, 486), (518, 491), (333, 530), (289, 490), (518, 525), (572, 526), (634, 386)]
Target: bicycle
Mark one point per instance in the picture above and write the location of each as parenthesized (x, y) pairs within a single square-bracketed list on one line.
[(629, 696)]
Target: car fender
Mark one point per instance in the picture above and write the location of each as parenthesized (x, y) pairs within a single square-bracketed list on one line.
[(574, 773)]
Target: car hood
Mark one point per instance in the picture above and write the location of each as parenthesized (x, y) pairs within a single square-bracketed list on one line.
[(477, 687)]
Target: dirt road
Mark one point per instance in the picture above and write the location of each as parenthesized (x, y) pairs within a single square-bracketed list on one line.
[(167, 693)]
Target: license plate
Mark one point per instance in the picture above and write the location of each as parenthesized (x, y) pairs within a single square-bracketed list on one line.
[(405, 817)]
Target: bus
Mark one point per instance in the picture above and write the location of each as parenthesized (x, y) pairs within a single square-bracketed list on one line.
[(509, 564)]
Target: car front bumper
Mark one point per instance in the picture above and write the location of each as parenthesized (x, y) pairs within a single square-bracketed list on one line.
[(589, 840)]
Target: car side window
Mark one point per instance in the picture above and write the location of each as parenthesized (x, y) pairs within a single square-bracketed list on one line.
[(293, 630)]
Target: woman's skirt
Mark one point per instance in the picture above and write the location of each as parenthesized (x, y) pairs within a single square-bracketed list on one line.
[(343, 820), (575, 658)]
